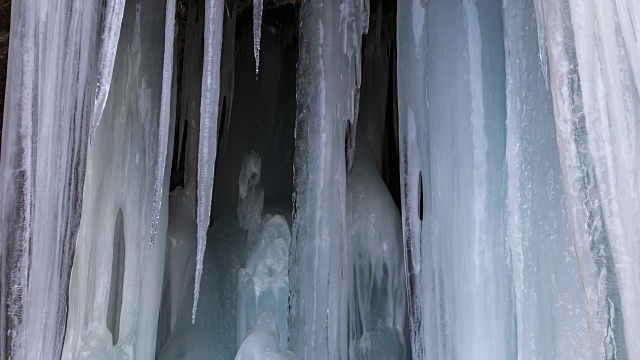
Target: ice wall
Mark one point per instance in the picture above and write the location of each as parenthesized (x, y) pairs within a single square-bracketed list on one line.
[(593, 68), (49, 95), (327, 83), (451, 104), (549, 297), (120, 177)]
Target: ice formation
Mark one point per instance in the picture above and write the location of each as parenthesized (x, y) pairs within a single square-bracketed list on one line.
[(262, 342), (208, 142), (486, 209), (377, 291), (257, 31), (330, 37)]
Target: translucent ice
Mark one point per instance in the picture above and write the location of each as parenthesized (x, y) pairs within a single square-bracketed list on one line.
[(377, 291), (208, 142), (263, 343), (328, 80), (548, 289), (593, 69), (451, 104)]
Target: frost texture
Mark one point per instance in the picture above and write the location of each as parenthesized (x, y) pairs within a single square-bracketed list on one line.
[(208, 143)]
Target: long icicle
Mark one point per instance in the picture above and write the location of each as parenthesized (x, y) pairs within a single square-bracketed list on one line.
[(208, 131), (257, 31), (165, 108), (108, 49)]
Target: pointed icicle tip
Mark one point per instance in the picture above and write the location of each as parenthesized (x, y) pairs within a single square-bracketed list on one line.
[(257, 31)]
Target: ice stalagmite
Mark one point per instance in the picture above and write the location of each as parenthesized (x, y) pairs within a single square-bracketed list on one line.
[(593, 68), (330, 37), (452, 151), (114, 11), (257, 31), (165, 107), (116, 281), (208, 143), (47, 113), (549, 297)]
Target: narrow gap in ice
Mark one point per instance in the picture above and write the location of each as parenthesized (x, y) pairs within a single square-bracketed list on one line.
[(257, 31), (109, 44), (165, 107), (208, 131), (117, 279)]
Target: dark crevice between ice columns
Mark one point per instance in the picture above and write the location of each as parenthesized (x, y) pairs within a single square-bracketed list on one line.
[(259, 115), (117, 278)]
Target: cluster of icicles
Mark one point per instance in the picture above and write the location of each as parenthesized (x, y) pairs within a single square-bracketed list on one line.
[(519, 145)]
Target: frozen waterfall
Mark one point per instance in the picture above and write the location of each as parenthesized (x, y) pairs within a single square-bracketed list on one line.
[(321, 180)]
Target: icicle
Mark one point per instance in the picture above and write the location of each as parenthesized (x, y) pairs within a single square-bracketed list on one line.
[(257, 31), (165, 107), (542, 39), (214, 13), (108, 48)]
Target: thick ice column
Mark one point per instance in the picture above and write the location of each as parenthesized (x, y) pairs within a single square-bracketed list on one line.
[(452, 140), (120, 179), (330, 34), (593, 62), (549, 297), (208, 143), (47, 114)]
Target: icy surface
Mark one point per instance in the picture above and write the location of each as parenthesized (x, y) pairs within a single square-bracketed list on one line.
[(328, 78), (549, 297), (377, 283), (48, 101), (120, 178), (114, 11), (452, 139), (165, 105), (263, 283), (593, 69), (263, 343), (208, 142), (257, 31)]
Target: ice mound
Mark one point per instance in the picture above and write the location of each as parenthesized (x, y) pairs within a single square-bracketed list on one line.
[(262, 342)]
